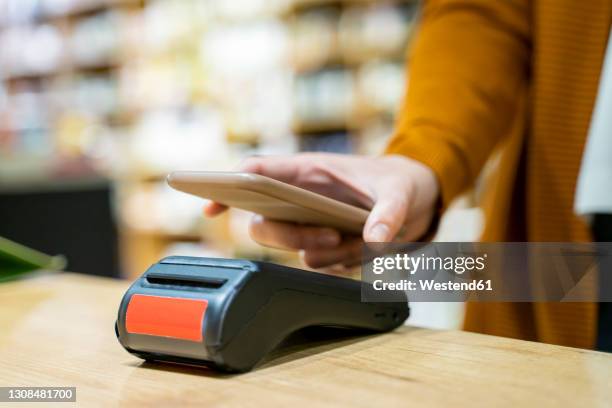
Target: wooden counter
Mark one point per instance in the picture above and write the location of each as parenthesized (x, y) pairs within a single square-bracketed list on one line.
[(57, 330)]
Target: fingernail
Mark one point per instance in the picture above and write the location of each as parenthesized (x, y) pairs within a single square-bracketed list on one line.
[(329, 239), (379, 233)]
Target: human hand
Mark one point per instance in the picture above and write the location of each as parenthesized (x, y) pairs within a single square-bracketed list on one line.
[(401, 193)]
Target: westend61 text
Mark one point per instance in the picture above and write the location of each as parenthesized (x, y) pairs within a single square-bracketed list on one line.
[(432, 285)]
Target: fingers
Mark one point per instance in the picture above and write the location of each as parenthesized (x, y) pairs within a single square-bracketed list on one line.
[(320, 247), (212, 209), (282, 168), (415, 228), (387, 216), (339, 270), (315, 172), (283, 235), (348, 253)]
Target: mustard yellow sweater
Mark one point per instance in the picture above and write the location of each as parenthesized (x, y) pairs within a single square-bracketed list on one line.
[(519, 77)]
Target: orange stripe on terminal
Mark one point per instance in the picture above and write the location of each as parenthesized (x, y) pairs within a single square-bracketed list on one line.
[(177, 318)]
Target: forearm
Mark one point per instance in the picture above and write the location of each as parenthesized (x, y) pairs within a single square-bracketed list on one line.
[(468, 66)]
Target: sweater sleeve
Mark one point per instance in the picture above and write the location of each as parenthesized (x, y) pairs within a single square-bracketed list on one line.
[(469, 61)]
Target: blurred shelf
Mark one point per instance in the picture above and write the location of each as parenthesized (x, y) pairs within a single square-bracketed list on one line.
[(332, 63), (13, 78), (298, 6), (350, 63), (104, 67), (363, 118), (88, 8), (43, 183), (323, 126), (97, 68), (166, 235)]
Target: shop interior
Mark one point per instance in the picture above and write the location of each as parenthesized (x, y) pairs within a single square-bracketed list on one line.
[(101, 99)]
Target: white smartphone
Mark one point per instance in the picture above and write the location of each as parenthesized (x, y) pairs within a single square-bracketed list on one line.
[(271, 198)]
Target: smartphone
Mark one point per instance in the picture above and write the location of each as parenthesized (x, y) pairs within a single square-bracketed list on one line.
[(271, 198)]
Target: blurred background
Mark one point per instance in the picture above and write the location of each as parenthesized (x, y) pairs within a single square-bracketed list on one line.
[(100, 99)]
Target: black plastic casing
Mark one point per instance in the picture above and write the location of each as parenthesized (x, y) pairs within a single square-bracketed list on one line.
[(252, 307)]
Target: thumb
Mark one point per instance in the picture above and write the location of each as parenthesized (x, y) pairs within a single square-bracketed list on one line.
[(387, 216)]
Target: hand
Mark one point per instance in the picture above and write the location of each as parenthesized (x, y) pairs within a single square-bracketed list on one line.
[(401, 193)]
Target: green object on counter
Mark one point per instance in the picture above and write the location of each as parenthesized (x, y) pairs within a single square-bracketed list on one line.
[(17, 260)]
